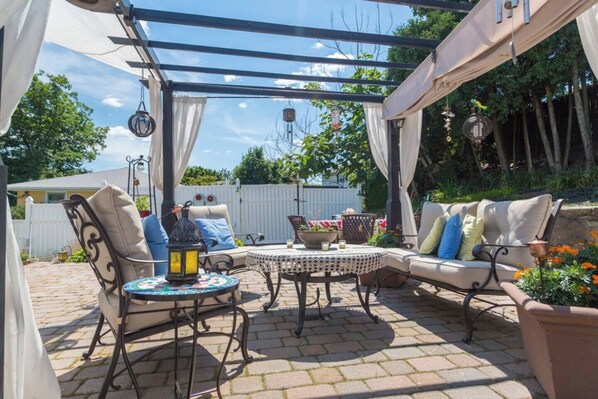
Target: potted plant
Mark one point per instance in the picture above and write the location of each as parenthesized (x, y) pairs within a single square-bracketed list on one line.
[(143, 205), (313, 237), (557, 305)]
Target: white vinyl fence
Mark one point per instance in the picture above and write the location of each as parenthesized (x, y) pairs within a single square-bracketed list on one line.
[(252, 208)]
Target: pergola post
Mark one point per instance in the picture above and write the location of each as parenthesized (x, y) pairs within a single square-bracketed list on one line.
[(167, 159), (3, 198), (393, 204)]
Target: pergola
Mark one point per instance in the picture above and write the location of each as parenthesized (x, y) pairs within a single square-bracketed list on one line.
[(476, 46)]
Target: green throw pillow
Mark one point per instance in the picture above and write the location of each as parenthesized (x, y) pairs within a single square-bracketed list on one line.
[(472, 235), (432, 241)]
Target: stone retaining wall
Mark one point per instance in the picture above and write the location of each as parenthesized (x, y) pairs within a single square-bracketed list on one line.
[(574, 225)]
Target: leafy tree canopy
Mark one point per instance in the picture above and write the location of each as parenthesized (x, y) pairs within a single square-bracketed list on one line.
[(256, 169), (51, 133), (198, 176)]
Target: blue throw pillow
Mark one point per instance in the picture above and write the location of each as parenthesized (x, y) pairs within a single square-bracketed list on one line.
[(157, 239), (216, 229), (451, 238)]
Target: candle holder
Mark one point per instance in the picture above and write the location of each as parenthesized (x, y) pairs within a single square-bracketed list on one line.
[(539, 250), (290, 243), (325, 245), (342, 244)]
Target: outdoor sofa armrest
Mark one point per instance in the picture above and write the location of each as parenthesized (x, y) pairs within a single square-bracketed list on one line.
[(500, 249), (253, 237), (216, 263)]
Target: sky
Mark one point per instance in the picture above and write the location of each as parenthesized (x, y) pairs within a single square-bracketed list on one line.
[(230, 126)]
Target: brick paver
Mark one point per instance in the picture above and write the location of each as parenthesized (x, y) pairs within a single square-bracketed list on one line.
[(415, 351)]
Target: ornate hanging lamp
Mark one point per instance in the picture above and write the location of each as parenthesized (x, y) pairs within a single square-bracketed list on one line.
[(141, 124), (478, 126)]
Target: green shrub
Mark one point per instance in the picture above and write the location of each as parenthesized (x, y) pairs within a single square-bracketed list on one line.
[(24, 255), (142, 203), (389, 239), (239, 242), (77, 257), (17, 212)]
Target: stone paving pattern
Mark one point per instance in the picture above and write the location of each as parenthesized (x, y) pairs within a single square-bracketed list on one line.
[(414, 352)]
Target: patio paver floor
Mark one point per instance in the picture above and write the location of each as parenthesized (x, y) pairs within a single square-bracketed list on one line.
[(414, 352)]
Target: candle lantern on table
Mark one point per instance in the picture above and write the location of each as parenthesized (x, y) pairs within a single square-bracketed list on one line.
[(184, 246)]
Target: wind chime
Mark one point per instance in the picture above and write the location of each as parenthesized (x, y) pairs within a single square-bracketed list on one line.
[(288, 116), (447, 117), (335, 114), (509, 5)]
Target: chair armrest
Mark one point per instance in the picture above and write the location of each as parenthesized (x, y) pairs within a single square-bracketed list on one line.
[(253, 237), (216, 263), (500, 249)]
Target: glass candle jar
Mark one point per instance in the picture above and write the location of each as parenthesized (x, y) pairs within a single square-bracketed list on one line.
[(342, 244), (325, 245), (290, 243)]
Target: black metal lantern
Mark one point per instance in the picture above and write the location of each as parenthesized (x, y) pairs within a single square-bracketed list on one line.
[(477, 127), (184, 245), (141, 124)]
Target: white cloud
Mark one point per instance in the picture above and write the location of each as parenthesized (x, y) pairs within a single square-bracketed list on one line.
[(318, 45), (120, 142), (231, 78), (243, 104), (112, 101), (316, 70), (207, 151)]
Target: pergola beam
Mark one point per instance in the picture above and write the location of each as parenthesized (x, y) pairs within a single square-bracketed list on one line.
[(286, 76), (433, 4), (275, 92), (262, 54), (177, 18)]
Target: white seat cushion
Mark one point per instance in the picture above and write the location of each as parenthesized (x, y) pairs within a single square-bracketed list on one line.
[(461, 274), (109, 307), (398, 258)]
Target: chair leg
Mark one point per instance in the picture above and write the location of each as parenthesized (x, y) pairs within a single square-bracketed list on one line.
[(110, 374), (327, 286), (244, 335), (96, 338), (468, 319)]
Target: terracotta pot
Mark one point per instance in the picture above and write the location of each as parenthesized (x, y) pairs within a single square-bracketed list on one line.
[(144, 214), (561, 345), (314, 239)]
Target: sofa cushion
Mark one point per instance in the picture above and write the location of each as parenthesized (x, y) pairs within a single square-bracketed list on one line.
[(451, 238), (515, 223), (157, 239), (398, 258), (432, 241), (109, 307), (119, 216), (211, 212), (216, 229), (461, 274), (432, 210), (473, 228)]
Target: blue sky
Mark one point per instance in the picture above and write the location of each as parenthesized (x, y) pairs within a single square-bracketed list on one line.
[(230, 126)]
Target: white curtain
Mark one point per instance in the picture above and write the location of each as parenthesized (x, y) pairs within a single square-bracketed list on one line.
[(187, 113), (28, 373), (408, 152), (588, 31), (155, 96)]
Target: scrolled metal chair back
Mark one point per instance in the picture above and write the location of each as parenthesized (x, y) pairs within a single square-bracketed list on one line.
[(95, 242), (357, 228), (297, 221)]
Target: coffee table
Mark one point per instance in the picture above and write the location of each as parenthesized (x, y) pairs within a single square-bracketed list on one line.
[(299, 265)]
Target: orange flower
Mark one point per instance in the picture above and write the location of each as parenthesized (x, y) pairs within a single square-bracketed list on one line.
[(588, 266), (557, 261), (518, 274), (594, 234), (595, 279), (584, 290)]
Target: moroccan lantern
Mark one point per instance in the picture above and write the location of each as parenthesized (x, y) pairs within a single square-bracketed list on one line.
[(184, 246)]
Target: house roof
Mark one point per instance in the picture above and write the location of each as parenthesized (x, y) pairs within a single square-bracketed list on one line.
[(85, 181)]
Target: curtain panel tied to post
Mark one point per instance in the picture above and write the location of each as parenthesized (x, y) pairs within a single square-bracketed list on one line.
[(409, 141), (588, 31), (187, 113)]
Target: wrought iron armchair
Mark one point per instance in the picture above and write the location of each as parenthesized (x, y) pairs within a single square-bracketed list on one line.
[(357, 228), (297, 221), (107, 265)]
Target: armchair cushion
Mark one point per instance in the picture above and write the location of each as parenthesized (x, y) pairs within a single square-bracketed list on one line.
[(451, 238), (119, 216), (157, 239), (515, 223), (216, 229)]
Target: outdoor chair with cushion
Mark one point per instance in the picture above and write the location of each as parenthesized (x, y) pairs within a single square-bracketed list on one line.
[(109, 230), (297, 221), (215, 224), (358, 227)]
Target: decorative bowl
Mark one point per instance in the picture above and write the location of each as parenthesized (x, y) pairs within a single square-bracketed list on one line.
[(314, 239)]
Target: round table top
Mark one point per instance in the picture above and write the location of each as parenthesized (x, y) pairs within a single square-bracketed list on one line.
[(356, 259), (158, 289)]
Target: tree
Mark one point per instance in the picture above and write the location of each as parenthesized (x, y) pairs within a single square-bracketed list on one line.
[(256, 169), (51, 133), (198, 176)]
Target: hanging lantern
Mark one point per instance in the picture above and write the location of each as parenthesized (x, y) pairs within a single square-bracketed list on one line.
[(288, 115), (64, 253), (336, 120), (184, 246), (141, 124), (477, 127)]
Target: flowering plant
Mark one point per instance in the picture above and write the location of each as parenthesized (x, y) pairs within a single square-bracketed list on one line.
[(566, 276), (389, 239)]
